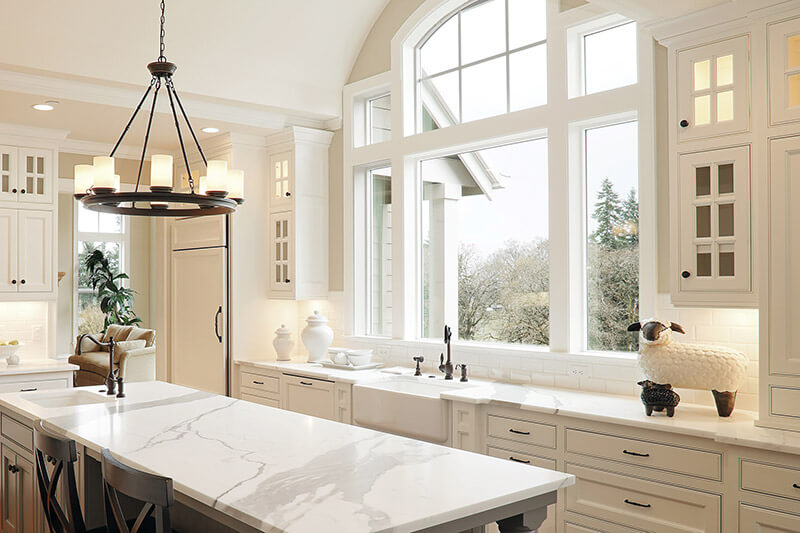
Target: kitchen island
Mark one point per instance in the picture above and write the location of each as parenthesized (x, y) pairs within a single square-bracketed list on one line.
[(253, 467)]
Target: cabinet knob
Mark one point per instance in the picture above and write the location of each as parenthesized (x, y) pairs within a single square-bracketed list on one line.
[(22, 191), (13, 282), (684, 123), (288, 193), (685, 274), (13, 469), (287, 281), (14, 191), (22, 281)]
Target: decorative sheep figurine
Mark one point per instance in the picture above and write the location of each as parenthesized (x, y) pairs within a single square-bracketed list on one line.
[(657, 397), (691, 366)]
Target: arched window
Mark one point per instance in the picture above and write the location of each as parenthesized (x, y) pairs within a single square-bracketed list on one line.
[(487, 59)]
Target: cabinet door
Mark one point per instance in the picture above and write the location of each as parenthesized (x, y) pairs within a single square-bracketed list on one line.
[(9, 496), (35, 176), (714, 221), (784, 70), (8, 174), (26, 495), (309, 396), (281, 180), (713, 94), (281, 273), (8, 249), (784, 255), (35, 251)]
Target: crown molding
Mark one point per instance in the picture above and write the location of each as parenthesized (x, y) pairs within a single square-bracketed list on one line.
[(297, 134), (201, 108), (124, 151), (31, 136)]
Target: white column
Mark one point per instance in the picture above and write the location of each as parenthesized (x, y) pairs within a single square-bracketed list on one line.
[(444, 258)]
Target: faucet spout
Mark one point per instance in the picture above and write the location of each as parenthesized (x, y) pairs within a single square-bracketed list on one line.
[(446, 367)]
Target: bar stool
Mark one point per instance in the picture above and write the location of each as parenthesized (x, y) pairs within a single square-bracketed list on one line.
[(62, 454), (155, 492)]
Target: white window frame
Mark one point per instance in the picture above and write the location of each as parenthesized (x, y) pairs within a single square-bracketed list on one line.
[(562, 120), (123, 239)]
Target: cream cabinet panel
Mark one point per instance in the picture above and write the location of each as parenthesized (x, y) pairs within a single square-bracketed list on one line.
[(35, 177), (713, 89), (8, 174), (8, 247), (35, 251), (200, 232), (784, 256), (281, 180), (308, 396), (784, 70), (17, 504), (757, 520), (713, 237)]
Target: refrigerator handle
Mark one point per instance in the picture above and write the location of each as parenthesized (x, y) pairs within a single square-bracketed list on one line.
[(216, 324)]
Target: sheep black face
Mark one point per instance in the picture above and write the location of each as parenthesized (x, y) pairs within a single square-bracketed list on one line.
[(653, 331)]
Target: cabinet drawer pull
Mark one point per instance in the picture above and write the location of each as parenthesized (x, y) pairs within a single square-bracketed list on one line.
[(29, 390), (516, 431), (519, 460), (637, 504), (795, 485), (258, 382), (636, 454), (13, 469), (305, 383)]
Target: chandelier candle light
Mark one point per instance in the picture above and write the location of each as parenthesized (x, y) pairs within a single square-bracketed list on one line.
[(98, 187)]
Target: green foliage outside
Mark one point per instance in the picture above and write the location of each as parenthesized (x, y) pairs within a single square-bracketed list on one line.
[(504, 297), (114, 300)]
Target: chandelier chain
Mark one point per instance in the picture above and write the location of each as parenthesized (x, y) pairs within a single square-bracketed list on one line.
[(161, 56)]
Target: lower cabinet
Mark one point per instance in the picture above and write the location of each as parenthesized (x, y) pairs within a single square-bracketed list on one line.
[(309, 396), (757, 520), (17, 501)]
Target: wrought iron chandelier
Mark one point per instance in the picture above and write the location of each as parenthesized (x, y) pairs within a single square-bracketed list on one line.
[(217, 193)]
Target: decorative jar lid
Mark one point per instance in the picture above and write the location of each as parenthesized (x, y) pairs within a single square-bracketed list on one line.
[(283, 330), (316, 319)]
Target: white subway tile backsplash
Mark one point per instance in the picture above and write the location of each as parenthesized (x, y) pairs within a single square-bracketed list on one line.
[(26, 322)]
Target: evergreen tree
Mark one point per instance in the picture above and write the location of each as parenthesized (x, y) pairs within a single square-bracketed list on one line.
[(630, 218), (607, 214)]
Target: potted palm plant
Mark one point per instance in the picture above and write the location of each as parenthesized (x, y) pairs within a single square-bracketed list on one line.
[(116, 301)]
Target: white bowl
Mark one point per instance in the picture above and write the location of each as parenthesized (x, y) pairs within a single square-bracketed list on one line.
[(359, 357), (9, 350)]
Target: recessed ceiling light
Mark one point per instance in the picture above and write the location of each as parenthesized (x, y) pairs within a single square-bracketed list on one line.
[(43, 107), (210, 130)]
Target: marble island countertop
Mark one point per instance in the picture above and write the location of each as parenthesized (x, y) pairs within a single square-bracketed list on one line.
[(280, 471), (690, 419)]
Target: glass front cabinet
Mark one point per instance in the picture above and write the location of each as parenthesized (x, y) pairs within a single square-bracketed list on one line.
[(713, 89), (713, 227), (784, 70)]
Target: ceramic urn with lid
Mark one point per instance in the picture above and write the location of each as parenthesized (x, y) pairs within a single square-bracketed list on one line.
[(317, 337), (283, 343)]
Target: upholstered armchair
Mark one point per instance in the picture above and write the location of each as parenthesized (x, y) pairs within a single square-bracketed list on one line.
[(134, 353)]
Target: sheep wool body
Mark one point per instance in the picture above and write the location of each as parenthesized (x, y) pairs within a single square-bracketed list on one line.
[(694, 366)]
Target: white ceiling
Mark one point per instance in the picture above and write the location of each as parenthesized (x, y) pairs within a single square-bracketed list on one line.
[(289, 55)]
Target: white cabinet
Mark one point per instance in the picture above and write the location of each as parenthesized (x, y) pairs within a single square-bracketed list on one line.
[(758, 520), (712, 236), (26, 175), (784, 70), (713, 89), (17, 503), (309, 396), (27, 237), (8, 174), (298, 203)]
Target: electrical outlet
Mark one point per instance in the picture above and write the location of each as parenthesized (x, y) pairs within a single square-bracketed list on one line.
[(581, 371), (383, 351)]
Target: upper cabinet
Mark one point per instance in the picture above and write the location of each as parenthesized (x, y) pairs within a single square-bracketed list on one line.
[(784, 70), (298, 204), (713, 89), (26, 175), (713, 226)]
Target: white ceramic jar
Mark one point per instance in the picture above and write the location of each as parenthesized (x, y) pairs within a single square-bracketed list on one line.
[(283, 343), (317, 337)]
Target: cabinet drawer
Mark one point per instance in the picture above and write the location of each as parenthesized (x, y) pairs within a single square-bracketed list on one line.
[(755, 519), (541, 462), (522, 431), (29, 386), (785, 402), (269, 402), (309, 396), (16, 431), (650, 454), (641, 504), (260, 383), (771, 479)]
